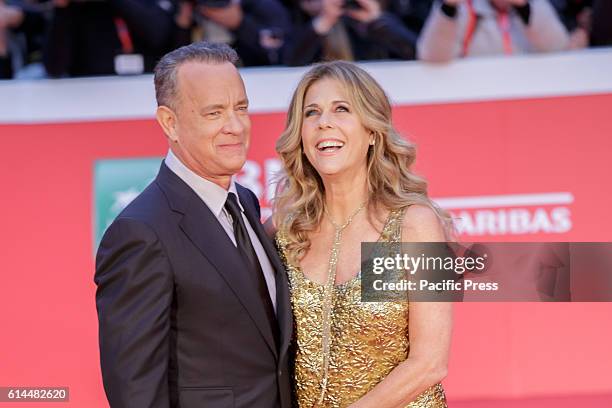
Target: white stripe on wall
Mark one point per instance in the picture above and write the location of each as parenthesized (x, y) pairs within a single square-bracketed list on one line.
[(485, 78), (512, 200)]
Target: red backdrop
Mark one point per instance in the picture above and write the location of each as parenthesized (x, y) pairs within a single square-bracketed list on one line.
[(561, 144)]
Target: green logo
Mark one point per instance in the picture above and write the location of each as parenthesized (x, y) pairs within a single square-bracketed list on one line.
[(116, 184)]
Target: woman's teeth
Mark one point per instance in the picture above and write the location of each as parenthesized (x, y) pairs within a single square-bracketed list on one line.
[(329, 145)]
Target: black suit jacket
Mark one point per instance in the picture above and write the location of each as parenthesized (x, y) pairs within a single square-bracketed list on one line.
[(181, 324)]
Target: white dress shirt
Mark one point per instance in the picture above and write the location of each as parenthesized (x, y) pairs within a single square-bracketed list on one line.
[(214, 196)]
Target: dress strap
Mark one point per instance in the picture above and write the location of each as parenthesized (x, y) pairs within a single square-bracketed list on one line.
[(281, 244), (392, 231)]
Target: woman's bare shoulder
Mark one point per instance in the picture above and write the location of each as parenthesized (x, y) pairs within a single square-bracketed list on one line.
[(421, 224)]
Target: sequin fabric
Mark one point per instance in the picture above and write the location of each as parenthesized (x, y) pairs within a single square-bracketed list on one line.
[(368, 339)]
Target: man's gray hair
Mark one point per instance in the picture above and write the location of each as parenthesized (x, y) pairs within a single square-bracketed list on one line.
[(167, 67)]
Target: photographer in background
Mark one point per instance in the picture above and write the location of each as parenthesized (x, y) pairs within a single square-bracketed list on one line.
[(465, 28), (601, 23), (354, 30), (576, 17), (11, 16), (100, 37), (22, 24), (588, 21), (255, 28)]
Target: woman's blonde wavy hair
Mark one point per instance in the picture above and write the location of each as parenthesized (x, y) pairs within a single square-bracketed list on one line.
[(300, 194)]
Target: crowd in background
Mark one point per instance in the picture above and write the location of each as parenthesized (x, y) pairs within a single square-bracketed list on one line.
[(68, 38)]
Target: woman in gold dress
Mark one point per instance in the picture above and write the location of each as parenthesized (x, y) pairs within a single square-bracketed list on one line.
[(347, 180)]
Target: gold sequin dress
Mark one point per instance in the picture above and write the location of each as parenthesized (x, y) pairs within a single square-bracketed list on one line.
[(367, 339)]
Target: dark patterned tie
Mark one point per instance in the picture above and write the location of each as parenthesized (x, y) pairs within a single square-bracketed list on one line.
[(243, 242)]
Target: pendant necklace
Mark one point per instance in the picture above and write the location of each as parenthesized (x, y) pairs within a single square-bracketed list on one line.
[(328, 298)]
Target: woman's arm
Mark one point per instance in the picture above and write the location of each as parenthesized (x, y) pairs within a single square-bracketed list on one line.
[(429, 327)]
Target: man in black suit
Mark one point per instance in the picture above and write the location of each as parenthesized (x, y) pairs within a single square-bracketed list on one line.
[(192, 298)]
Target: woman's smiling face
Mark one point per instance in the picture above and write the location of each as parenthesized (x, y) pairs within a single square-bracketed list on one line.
[(334, 138)]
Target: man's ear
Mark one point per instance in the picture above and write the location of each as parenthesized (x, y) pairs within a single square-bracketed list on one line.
[(167, 120)]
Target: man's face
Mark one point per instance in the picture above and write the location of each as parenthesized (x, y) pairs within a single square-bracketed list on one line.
[(212, 130)]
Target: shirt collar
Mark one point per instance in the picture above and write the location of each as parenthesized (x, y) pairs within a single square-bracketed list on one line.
[(213, 195)]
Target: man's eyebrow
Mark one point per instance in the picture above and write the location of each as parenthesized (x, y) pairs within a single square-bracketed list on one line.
[(212, 107)]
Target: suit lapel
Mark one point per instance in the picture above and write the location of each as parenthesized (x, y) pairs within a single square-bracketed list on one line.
[(283, 305), (206, 233)]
